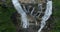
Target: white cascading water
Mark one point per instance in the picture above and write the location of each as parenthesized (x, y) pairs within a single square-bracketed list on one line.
[(24, 19), (19, 9), (46, 16)]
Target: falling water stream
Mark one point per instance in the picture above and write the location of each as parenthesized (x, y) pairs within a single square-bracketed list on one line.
[(46, 16), (19, 9), (24, 19)]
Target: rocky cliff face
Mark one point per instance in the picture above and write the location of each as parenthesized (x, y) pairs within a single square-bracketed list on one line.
[(31, 1), (32, 23)]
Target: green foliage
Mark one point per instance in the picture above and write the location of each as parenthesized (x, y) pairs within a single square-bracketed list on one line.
[(56, 15), (6, 24)]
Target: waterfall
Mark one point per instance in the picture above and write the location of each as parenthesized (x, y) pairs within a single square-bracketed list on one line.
[(46, 16), (24, 19), (19, 9)]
